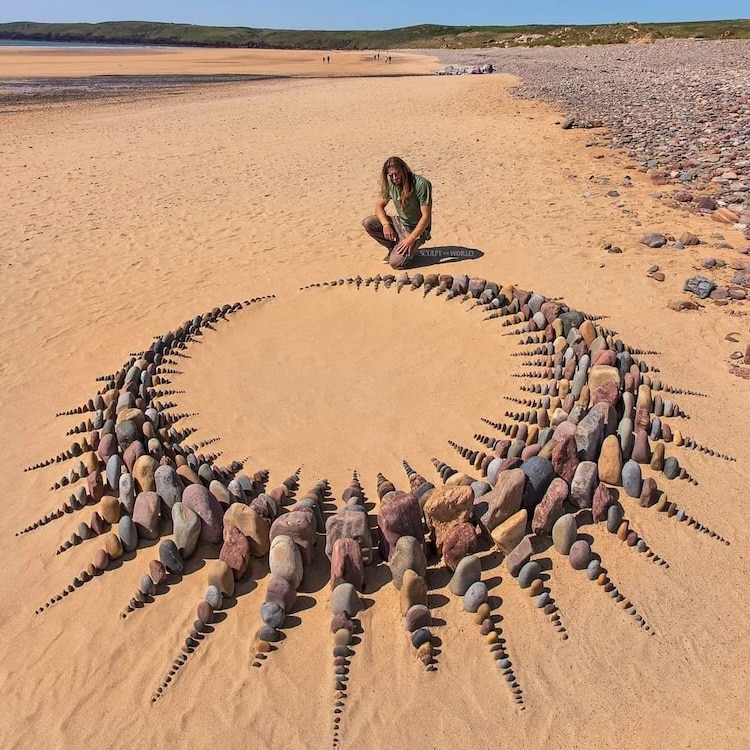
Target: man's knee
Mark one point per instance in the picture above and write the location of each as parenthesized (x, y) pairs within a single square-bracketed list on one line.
[(371, 224)]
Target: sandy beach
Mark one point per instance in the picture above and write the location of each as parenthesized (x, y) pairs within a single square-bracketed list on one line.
[(124, 217)]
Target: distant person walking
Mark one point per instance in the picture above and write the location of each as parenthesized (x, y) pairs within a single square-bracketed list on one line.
[(411, 194)]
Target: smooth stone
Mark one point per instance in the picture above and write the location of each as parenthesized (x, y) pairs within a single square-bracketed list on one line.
[(413, 591), (539, 475), (593, 569), (272, 614), (417, 617), (475, 596), (214, 598), (285, 560), (671, 468), (269, 634), (170, 556), (614, 518), (468, 572), (168, 485), (529, 573), (235, 552), (146, 515), (408, 554), (564, 533), (128, 533), (186, 528), (219, 574), (632, 480), (126, 487), (345, 599), (580, 554), (420, 637)]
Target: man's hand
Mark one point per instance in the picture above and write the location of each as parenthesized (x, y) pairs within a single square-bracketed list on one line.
[(405, 246), (389, 232)]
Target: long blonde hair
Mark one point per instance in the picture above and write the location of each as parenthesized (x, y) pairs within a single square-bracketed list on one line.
[(407, 183)]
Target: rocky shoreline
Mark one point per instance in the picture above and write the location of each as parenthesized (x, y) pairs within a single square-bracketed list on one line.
[(679, 109)]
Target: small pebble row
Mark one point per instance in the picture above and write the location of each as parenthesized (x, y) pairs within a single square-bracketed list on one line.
[(530, 577), (288, 534), (466, 583), (620, 526), (579, 554), (211, 603), (147, 469)]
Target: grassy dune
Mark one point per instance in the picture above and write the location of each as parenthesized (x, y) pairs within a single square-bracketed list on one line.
[(424, 36)]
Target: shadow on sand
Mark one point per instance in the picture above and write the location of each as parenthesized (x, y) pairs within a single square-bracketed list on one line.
[(431, 256)]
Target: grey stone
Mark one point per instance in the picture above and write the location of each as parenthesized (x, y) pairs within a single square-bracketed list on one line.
[(170, 556), (528, 573), (539, 474), (168, 485), (671, 468), (564, 533), (272, 614), (408, 554), (589, 433), (128, 533), (475, 596), (632, 481), (420, 637), (186, 527), (213, 597), (127, 493), (114, 468), (468, 571), (584, 483), (345, 599), (614, 518)]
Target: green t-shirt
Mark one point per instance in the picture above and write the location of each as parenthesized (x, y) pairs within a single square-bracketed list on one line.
[(411, 213)]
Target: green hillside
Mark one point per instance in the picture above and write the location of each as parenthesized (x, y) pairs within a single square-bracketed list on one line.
[(425, 36)]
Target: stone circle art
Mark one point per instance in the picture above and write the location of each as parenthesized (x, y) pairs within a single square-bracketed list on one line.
[(590, 428)]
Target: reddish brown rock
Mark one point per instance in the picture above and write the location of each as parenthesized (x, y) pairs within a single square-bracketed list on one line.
[(504, 500), (565, 458), (551, 507), (158, 572), (132, 453), (461, 540), (281, 591), (649, 492), (605, 357), (300, 526), (447, 507), (187, 475), (107, 447), (235, 552), (95, 486), (347, 565), (603, 498), (608, 393), (208, 509), (349, 524), (256, 528), (401, 516), (641, 452), (550, 310), (146, 515)]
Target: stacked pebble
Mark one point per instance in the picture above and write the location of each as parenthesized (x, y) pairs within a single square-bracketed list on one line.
[(138, 471), (349, 548)]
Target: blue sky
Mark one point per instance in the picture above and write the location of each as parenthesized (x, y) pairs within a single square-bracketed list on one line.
[(369, 14)]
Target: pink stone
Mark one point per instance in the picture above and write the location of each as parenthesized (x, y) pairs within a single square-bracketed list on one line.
[(603, 498), (551, 507), (235, 552), (347, 565), (460, 541), (565, 458), (401, 516)]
